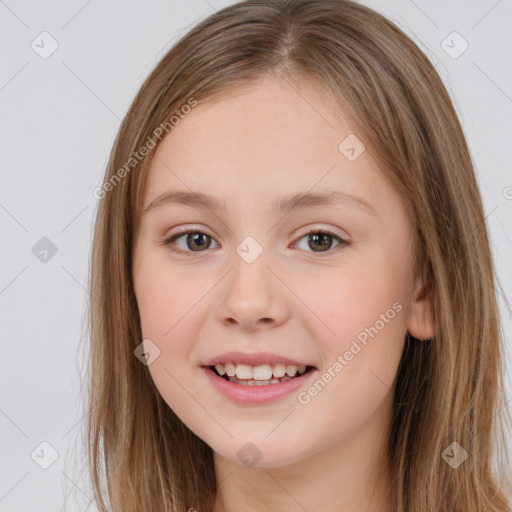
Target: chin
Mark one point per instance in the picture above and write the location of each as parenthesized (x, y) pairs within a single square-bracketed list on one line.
[(258, 454)]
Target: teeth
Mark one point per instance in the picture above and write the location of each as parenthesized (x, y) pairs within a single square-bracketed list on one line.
[(220, 369), (279, 370), (230, 369), (264, 373), (258, 382), (243, 371), (291, 369)]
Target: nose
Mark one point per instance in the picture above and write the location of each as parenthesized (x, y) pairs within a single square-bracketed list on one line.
[(252, 297)]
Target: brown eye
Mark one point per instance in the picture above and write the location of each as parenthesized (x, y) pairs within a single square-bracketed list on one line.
[(320, 241), (323, 241), (188, 242), (198, 241), (193, 241)]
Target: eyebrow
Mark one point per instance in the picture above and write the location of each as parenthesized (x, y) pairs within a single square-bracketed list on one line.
[(283, 205)]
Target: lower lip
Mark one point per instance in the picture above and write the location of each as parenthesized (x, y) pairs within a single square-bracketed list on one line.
[(249, 395)]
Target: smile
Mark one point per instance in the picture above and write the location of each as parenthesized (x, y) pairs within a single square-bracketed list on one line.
[(259, 385), (261, 375)]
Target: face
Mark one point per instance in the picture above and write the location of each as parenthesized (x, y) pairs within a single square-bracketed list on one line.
[(263, 286)]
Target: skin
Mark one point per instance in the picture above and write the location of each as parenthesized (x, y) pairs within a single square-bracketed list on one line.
[(263, 141)]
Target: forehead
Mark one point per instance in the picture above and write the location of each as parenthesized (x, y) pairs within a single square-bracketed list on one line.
[(271, 136)]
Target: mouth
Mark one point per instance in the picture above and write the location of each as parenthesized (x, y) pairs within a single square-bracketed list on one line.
[(252, 379), (260, 375)]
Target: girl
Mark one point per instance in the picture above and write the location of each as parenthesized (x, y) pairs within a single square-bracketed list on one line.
[(294, 298)]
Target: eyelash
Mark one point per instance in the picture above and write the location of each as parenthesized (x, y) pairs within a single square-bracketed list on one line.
[(168, 242)]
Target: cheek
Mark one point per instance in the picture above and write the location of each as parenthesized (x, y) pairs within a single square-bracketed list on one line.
[(349, 300), (163, 296), (362, 332), (165, 316), (355, 383), (169, 304)]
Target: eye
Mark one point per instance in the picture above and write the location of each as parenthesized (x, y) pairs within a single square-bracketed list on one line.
[(197, 241), (321, 240), (194, 241)]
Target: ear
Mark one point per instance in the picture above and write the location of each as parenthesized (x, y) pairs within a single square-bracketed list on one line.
[(421, 323)]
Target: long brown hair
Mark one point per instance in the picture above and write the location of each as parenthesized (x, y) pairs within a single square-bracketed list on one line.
[(447, 389)]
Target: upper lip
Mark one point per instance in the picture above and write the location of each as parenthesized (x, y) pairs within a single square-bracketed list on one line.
[(253, 359)]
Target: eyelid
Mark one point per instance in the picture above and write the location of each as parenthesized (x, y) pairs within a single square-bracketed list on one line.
[(319, 229), (184, 230)]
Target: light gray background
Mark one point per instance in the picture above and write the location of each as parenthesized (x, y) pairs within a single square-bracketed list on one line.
[(59, 117)]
